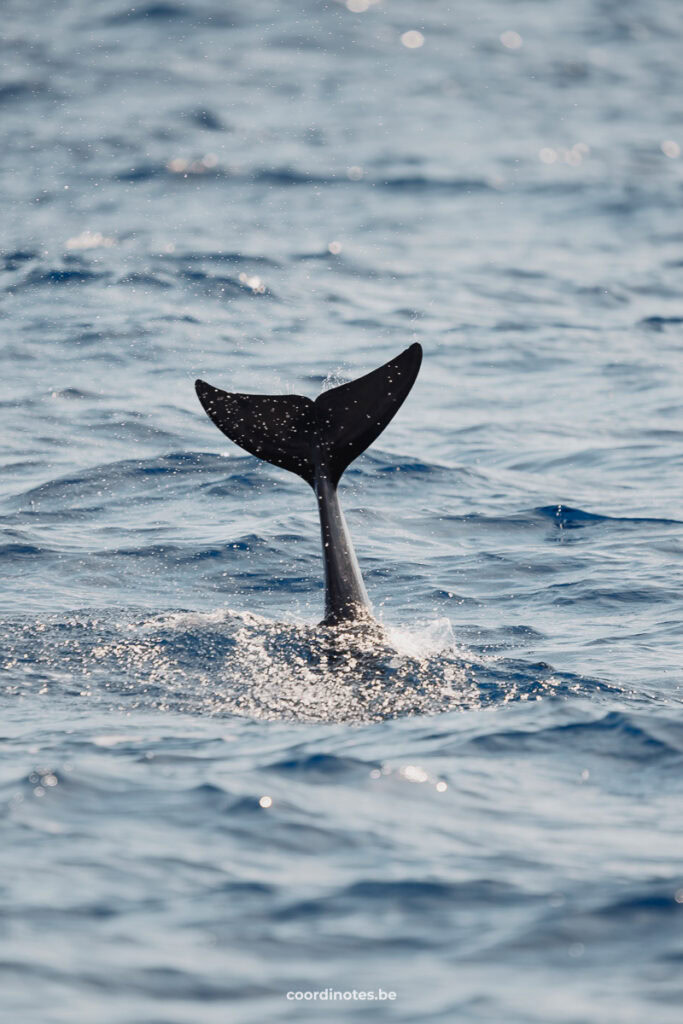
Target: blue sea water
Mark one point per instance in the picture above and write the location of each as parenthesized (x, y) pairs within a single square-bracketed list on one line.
[(207, 802)]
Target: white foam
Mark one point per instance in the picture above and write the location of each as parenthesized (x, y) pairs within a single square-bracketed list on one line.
[(422, 639)]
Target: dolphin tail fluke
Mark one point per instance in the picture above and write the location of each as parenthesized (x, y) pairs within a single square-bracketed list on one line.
[(307, 437)]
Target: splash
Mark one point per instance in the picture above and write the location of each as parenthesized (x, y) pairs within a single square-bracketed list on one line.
[(235, 663)]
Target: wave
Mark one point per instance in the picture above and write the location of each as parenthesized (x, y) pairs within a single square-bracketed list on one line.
[(224, 256), (181, 271), (562, 517), (58, 276), (567, 518), (289, 176), (15, 259), (659, 323), (410, 896), (164, 11), (16, 549), (223, 474), (625, 736), (28, 90), (112, 476), (220, 286)]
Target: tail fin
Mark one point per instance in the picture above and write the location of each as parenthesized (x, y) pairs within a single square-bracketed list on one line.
[(341, 423), (276, 428)]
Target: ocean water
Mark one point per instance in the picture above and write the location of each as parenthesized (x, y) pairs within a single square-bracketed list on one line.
[(207, 801)]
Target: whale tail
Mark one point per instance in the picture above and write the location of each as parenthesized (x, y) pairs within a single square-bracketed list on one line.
[(304, 436)]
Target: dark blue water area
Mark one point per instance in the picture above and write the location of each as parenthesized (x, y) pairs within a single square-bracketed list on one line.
[(207, 801)]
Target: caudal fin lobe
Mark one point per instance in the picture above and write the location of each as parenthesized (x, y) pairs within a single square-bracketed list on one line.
[(300, 435), (276, 428), (352, 416)]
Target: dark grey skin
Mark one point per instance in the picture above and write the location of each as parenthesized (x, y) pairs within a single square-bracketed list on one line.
[(317, 440), (345, 595)]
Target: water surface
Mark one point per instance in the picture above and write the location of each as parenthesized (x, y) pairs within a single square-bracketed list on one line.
[(208, 801)]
